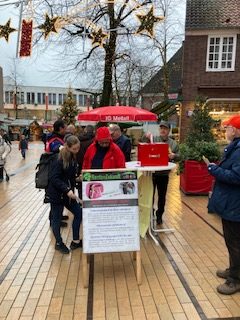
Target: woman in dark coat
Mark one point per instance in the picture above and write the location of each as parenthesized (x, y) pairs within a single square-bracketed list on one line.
[(60, 193), (225, 201)]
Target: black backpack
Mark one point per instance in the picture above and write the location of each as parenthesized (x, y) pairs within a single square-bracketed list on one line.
[(43, 168)]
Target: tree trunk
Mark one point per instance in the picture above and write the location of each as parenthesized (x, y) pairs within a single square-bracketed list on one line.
[(110, 49)]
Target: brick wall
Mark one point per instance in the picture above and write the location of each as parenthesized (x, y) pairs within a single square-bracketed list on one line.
[(196, 79)]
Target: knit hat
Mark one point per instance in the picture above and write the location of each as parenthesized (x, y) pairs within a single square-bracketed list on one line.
[(234, 121), (103, 133)]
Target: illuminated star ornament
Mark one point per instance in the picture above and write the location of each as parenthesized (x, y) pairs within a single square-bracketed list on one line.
[(98, 37), (147, 21), (6, 30), (49, 25)]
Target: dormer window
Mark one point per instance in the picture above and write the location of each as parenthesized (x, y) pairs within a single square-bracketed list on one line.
[(221, 53)]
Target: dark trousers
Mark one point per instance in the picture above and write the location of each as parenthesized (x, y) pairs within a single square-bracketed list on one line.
[(1, 172), (23, 152), (161, 182), (231, 232), (57, 210)]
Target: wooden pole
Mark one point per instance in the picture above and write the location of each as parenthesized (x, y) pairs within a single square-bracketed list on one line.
[(85, 270)]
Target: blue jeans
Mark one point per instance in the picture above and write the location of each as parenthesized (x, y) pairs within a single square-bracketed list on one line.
[(57, 210), (23, 152)]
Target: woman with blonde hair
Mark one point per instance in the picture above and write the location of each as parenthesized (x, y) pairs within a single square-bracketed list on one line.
[(61, 194)]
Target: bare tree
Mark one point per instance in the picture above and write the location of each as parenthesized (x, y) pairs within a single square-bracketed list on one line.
[(87, 19)]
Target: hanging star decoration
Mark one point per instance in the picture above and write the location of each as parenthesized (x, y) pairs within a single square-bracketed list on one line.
[(50, 25), (147, 21), (98, 37), (6, 30)]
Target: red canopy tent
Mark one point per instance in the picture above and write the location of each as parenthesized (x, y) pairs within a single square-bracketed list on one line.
[(117, 114)]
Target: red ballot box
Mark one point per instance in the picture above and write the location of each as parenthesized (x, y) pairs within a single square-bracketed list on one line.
[(153, 154)]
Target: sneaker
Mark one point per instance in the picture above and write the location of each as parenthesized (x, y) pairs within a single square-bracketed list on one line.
[(62, 248), (64, 218), (63, 224), (75, 245), (223, 273), (229, 287)]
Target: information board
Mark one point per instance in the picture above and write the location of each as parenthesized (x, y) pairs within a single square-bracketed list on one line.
[(110, 211)]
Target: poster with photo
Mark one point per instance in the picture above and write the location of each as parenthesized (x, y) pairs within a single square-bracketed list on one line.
[(110, 211)]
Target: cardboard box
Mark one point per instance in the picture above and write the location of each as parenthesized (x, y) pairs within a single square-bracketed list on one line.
[(153, 154)]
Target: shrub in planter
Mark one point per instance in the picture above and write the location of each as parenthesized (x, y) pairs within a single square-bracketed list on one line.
[(194, 177)]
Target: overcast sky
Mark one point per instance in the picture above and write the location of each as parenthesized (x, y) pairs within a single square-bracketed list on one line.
[(36, 70)]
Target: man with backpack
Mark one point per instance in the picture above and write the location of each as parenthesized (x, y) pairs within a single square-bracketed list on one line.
[(53, 142)]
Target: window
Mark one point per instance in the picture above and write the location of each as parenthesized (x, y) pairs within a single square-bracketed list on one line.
[(30, 97), (81, 100), (7, 97), (54, 102), (221, 53), (60, 99), (39, 98), (21, 97), (50, 100)]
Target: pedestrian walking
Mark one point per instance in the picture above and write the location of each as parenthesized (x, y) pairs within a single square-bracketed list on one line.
[(23, 146), (5, 149), (225, 201)]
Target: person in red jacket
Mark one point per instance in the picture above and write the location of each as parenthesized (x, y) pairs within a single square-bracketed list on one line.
[(103, 153)]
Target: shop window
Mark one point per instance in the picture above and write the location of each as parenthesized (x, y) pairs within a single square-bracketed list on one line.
[(221, 53)]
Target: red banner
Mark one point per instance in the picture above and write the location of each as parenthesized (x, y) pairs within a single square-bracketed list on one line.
[(26, 38)]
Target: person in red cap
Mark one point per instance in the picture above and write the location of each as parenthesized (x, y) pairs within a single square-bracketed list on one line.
[(225, 201), (103, 153)]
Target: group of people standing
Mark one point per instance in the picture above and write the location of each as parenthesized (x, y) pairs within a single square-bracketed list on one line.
[(88, 151), (108, 148)]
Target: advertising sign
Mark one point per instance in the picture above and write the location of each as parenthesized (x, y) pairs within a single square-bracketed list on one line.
[(110, 211)]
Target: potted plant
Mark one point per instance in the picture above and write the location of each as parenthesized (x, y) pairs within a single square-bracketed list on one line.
[(194, 176)]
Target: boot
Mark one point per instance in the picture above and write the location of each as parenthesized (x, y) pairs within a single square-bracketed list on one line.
[(229, 287)]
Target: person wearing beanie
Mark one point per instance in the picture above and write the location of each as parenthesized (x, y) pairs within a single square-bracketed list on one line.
[(225, 201), (103, 153)]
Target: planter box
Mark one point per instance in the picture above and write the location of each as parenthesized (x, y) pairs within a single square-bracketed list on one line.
[(195, 179)]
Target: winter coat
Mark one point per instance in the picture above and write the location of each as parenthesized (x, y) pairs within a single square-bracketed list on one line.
[(85, 141), (61, 181), (113, 159), (125, 145), (4, 151), (225, 199)]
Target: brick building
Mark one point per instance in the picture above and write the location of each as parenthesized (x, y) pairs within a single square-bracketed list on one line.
[(211, 57)]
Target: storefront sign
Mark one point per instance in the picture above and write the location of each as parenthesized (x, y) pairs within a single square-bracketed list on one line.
[(110, 211)]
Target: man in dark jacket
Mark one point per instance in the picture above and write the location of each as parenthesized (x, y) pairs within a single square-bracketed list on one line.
[(53, 142), (56, 138), (225, 201), (122, 141), (85, 140), (161, 178)]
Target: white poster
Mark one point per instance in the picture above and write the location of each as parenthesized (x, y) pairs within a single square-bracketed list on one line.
[(110, 211)]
